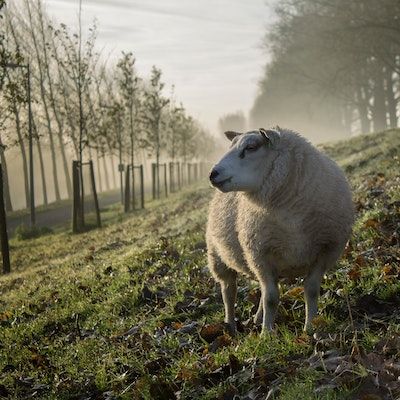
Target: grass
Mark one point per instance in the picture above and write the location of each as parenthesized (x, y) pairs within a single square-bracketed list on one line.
[(130, 311)]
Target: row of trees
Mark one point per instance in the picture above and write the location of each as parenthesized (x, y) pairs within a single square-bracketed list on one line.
[(83, 107), (334, 65)]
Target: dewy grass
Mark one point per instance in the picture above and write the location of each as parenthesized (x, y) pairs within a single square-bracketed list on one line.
[(103, 314)]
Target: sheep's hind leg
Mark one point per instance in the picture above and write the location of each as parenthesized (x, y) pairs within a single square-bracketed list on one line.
[(269, 300), (312, 285), (229, 291)]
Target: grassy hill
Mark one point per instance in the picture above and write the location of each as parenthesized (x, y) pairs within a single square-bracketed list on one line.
[(130, 311)]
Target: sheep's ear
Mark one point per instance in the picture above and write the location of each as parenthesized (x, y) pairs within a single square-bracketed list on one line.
[(272, 136), (231, 135)]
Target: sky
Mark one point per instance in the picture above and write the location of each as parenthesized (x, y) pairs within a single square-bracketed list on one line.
[(210, 50)]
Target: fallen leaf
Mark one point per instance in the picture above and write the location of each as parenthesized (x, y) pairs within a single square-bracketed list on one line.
[(176, 325), (303, 339), (162, 390), (5, 316), (210, 332), (154, 366), (186, 374), (360, 261), (39, 361), (220, 342), (372, 223), (355, 273)]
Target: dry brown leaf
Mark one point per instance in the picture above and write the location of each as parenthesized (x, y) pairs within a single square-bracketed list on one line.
[(186, 374), (38, 360), (210, 332), (220, 342), (360, 261), (354, 274), (388, 270), (302, 339), (319, 321), (372, 223), (176, 325), (295, 292), (5, 316)]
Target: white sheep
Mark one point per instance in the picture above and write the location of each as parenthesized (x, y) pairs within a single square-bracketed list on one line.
[(282, 210)]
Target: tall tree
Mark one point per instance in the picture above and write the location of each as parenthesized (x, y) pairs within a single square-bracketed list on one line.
[(39, 53), (128, 83), (45, 33), (153, 105)]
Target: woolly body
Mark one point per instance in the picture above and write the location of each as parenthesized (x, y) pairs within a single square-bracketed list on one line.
[(298, 219)]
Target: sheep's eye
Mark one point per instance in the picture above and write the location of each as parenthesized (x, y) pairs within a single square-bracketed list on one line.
[(249, 147)]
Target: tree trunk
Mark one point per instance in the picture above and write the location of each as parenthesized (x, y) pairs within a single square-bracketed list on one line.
[(390, 98), (41, 163), (379, 107), (105, 168), (7, 196), (347, 118), (54, 163), (362, 107), (23, 153), (158, 159), (115, 185), (42, 172), (100, 184)]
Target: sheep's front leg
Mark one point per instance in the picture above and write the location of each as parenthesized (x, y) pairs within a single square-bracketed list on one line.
[(312, 285), (258, 316), (229, 291), (269, 300), (227, 279)]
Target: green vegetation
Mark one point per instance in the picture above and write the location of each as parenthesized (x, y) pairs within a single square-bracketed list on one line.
[(24, 232), (130, 311)]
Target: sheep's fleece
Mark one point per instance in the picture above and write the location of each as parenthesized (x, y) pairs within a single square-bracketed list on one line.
[(282, 209)]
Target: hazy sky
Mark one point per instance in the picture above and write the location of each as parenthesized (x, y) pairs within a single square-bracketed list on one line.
[(209, 49)]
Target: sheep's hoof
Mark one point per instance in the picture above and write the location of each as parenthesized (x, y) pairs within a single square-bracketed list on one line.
[(231, 328), (308, 328), (267, 331)]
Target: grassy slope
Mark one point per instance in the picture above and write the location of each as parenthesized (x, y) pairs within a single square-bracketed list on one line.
[(118, 313)]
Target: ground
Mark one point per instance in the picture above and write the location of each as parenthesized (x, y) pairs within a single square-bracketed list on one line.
[(131, 311), (57, 215)]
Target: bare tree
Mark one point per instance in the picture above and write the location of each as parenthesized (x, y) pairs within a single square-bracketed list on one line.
[(153, 105)]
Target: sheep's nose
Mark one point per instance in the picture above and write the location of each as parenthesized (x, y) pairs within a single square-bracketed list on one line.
[(213, 174)]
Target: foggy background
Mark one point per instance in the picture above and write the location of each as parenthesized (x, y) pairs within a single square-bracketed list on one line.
[(328, 69), (211, 51)]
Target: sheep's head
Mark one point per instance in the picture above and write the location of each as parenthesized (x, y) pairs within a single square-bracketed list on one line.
[(243, 167)]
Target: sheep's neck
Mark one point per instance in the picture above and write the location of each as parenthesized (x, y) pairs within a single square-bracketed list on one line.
[(278, 191)]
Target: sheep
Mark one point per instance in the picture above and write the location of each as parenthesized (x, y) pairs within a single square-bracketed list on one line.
[(282, 210)]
